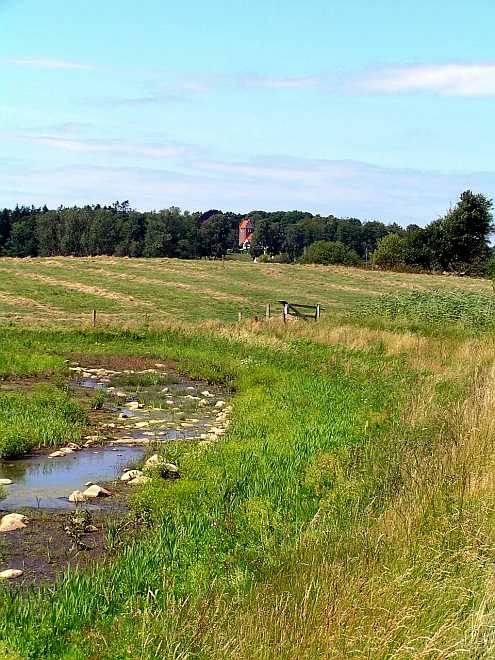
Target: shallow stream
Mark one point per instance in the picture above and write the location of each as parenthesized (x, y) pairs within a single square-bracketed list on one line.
[(173, 408)]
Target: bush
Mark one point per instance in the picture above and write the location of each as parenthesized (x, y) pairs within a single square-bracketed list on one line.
[(390, 252), (330, 252)]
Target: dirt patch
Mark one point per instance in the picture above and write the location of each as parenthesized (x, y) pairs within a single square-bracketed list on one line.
[(121, 362), (44, 549)]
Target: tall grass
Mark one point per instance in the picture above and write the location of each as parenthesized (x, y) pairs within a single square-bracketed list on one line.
[(472, 310), (348, 513), (44, 418)]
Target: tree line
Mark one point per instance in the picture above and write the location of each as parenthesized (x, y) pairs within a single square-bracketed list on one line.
[(456, 242)]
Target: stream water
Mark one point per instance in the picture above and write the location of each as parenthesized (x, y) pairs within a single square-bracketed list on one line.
[(173, 412)]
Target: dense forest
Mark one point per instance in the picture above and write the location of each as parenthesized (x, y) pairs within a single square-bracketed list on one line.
[(456, 242)]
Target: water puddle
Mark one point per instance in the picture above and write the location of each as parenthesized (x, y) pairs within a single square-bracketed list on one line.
[(138, 409)]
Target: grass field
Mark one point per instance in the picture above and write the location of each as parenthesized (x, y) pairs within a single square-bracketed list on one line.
[(348, 512), (65, 290)]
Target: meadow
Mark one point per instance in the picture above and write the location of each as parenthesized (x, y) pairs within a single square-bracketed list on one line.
[(349, 510), (65, 290)]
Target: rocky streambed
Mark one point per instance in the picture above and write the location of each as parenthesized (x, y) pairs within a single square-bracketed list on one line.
[(54, 500)]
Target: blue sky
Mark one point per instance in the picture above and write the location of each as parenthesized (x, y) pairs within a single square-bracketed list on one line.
[(379, 109)]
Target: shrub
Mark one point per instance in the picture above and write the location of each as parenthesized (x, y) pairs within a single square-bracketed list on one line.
[(390, 252), (330, 252)]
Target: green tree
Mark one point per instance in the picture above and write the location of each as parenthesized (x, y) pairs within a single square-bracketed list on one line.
[(390, 252), (459, 240), (216, 236), (330, 252)]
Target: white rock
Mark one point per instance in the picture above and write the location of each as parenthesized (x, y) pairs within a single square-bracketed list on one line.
[(139, 480), (166, 389), (5, 482), (154, 461), (131, 474), (219, 405), (96, 491), (12, 521), (10, 574), (77, 496), (202, 403), (56, 454), (132, 405), (207, 394), (74, 446)]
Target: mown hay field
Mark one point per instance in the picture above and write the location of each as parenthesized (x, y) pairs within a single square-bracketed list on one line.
[(65, 290)]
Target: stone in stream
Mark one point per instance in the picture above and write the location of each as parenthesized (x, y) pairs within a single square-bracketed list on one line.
[(165, 389), (167, 470), (154, 461), (139, 480), (10, 574), (131, 474), (77, 496), (207, 394), (219, 405), (12, 521), (95, 491), (134, 405), (74, 446), (202, 403), (5, 482), (59, 453)]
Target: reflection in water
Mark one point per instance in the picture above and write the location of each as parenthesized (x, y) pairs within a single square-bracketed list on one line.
[(44, 482), (39, 481)]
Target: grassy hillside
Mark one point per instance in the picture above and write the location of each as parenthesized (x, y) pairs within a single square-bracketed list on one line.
[(348, 512), (66, 290)]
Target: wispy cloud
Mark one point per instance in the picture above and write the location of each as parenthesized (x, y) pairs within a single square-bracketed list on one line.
[(47, 63), (110, 147), (287, 82), (442, 79), (345, 188)]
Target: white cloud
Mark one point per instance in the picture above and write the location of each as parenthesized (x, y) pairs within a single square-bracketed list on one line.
[(344, 188), (288, 82), (443, 79), (47, 63), (108, 147)]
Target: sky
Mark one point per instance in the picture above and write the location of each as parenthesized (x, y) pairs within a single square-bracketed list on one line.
[(377, 109)]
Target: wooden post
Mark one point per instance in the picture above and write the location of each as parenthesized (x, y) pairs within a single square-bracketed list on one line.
[(239, 317), (94, 318), (268, 312), (286, 311), (317, 312)]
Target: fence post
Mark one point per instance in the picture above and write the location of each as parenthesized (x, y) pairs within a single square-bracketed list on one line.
[(94, 318), (286, 312), (268, 312), (239, 316), (317, 312)]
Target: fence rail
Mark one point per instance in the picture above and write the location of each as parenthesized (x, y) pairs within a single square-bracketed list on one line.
[(292, 309)]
